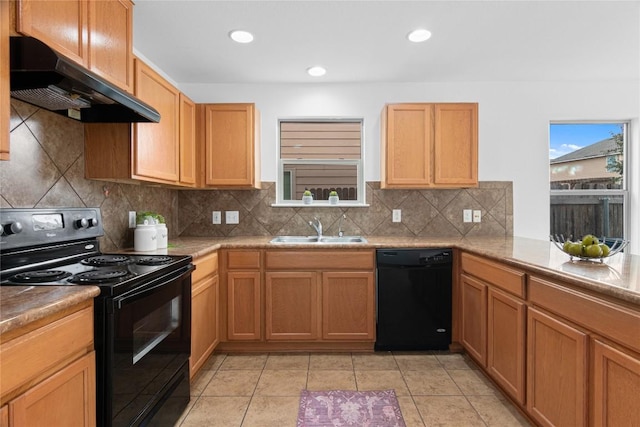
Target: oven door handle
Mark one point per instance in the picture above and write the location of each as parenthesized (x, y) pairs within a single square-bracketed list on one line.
[(153, 286)]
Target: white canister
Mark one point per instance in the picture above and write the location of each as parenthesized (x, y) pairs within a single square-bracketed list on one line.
[(144, 238), (162, 236)]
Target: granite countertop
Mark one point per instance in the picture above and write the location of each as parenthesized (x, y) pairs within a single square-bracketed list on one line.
[(617, 277), (20, 305)]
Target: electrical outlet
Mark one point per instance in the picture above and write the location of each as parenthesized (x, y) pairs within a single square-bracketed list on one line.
[(132, 219), (216, 217), (466, 215), (232, 217), (477, 215), (396, 215)]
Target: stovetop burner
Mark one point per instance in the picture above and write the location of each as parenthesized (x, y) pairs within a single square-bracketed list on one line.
[(40, 276), (106, 260), (154, 260), (101, 276)]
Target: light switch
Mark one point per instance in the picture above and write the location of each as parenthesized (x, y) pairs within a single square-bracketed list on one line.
[(466, 215), (396, 215), (232, 217), (132, 219)]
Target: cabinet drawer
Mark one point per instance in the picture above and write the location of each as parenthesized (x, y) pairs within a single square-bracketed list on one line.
[(28, 357), (205, 266), (319, 259), (503, 277), (243, 260), (619, 323)]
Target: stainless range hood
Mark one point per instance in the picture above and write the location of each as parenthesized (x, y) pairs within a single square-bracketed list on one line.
[(44, 78)]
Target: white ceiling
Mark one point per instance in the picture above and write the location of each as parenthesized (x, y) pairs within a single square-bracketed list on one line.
[(365, 41)]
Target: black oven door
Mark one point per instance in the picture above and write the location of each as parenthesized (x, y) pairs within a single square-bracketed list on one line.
[(147, 341)]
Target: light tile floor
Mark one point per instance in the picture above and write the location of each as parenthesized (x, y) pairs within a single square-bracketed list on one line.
[(263, 390)]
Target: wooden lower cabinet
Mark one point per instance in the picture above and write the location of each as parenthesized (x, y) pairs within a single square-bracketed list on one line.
[(65, 399), (292, 301), (506, 325), (4, 416), (204, 311), (615, 386), (348, 305), (473, 331), (244, 305), (556, 371)]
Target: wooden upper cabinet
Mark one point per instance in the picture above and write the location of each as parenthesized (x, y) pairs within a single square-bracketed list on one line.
[(62, 25), (407, 146), (429, 145), (156, 145), (94, 33), (5, 105), (455, 145), (231, 146), (187, 141), (111, 41)]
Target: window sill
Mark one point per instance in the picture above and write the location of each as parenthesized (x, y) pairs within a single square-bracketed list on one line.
[(318, 204)]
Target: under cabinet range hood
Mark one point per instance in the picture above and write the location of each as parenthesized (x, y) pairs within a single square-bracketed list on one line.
[(47, 79)]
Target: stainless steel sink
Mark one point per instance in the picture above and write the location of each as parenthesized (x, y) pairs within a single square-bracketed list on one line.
[(316, 240)]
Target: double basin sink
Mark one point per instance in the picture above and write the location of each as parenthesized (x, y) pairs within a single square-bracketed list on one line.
[(319, 240)]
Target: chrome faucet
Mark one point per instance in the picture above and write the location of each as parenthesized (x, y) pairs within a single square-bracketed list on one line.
[(318, 227), (340, 232)]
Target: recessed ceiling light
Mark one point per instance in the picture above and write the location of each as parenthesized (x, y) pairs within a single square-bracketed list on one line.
[(316, 71), (241, 36), (419, 35)]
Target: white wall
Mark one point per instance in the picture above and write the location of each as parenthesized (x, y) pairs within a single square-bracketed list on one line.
[(513, 135)]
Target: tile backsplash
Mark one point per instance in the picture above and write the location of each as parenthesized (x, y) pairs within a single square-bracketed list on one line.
[(424, 213), (47, 170)]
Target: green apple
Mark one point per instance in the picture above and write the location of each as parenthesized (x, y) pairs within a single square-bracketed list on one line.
[(575, 249), (593, 251), (605, 249), (590, 239), (565, 246)]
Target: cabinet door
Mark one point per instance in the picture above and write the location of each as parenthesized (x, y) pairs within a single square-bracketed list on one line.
[(111, 41), (407, 157), (506, 323), (556, 371), (230, 155), (67, 398), (456, 145), (5, 104), (155, 145), (474, 318), (187, 140), (616, 384), (4, 416), (243, 306), (63, 25), (204, 322), (348, 306), (292, 302)]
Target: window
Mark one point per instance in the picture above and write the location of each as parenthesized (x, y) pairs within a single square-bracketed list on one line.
[(320, 156), (589, 193)]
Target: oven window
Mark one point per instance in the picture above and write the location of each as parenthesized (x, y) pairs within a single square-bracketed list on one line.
[(150, 330)]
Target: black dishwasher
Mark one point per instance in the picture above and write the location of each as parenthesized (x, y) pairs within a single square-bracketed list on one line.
[(413, 299)]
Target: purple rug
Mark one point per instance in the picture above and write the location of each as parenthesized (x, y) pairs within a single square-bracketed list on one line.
[(340, 408)]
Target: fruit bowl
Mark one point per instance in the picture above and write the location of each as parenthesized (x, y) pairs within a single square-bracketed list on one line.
[(560, 241)]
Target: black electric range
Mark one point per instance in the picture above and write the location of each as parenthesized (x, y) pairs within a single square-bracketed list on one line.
[(142, 316)]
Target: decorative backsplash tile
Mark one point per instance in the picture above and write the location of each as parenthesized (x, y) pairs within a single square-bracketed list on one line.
[(424, 213), (47, 170)]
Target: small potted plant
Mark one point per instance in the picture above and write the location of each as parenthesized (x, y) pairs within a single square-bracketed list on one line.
[(307, 197), (333, 197)]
